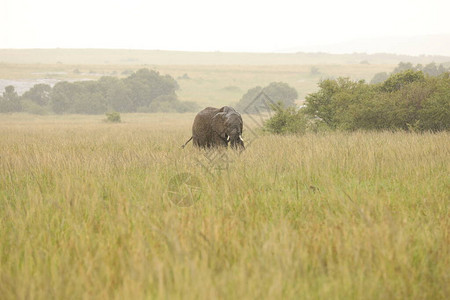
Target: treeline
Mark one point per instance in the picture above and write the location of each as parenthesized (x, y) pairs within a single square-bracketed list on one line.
[(409, 100), (143, 91), (432, 69)]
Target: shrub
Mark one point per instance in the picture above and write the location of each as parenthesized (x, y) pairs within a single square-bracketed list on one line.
[(113, 117), (286, 120), (405, 101), (435, 112)]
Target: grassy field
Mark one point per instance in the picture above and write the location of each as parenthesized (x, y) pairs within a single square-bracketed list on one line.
[(87, 210)]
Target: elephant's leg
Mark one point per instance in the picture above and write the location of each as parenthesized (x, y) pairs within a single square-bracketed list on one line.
[(200, 142), (219, 142)]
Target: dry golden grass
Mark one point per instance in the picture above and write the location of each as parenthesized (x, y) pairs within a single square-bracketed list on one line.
[(86, 212)]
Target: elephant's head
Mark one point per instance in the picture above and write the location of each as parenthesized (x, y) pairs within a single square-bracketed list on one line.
[(227, 123)]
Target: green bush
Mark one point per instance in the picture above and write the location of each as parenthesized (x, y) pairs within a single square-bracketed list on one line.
[(286, 120), (435, 112), (113, 117), (407, 100), (334, 101)]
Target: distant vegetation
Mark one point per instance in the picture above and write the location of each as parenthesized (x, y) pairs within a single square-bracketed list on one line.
[(276, 91), (413, 98), (431, 69), (142, 91), (409, 100), (113, 117), (158, 57), (216, 85)]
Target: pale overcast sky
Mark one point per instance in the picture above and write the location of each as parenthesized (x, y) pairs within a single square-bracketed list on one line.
[(201, 25)]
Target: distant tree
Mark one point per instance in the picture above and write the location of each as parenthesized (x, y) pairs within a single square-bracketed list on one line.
[(314, 71), (10, 102), (247, 101), (88, 98), (10, 93), (39, 94), (431, 69), (379, 77), (276, 91), (281, 92), (117, 94), (61, 97), (403, 66), (146, 85), (441, 69)]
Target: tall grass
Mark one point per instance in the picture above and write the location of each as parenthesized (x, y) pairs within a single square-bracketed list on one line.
[(85, 212)]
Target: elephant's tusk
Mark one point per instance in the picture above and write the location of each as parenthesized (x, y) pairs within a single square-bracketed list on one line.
[(240, 137)]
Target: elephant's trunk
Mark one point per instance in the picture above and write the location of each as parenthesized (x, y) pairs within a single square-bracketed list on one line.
[(237, 142)]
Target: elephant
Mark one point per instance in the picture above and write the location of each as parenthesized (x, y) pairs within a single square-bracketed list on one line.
[(216, 127)]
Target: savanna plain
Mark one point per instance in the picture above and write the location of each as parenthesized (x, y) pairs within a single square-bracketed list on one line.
[(87, 211)]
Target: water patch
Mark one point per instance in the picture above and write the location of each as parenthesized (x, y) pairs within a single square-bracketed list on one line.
[(23, 85)]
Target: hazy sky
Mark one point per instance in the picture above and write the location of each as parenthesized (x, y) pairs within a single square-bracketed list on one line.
[(201, 25)]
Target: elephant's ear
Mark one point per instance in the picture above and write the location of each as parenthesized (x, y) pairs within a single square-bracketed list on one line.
[(218, 124)]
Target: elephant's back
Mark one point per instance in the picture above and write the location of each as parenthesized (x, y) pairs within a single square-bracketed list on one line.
[(202, 121), (209, 111)]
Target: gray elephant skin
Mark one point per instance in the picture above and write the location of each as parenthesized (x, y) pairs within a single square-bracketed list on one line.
[(218, 127)]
